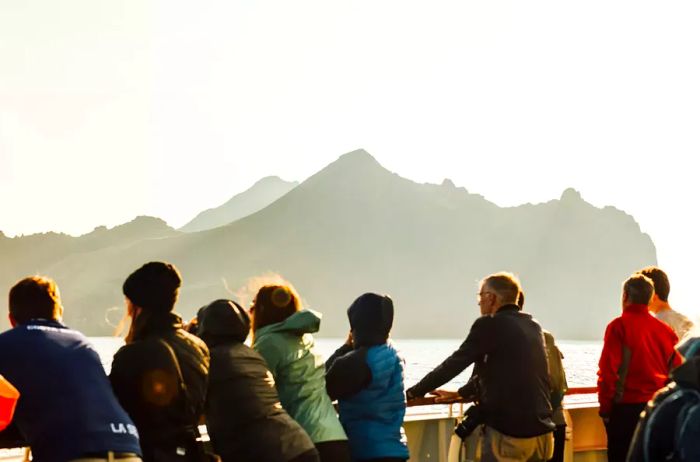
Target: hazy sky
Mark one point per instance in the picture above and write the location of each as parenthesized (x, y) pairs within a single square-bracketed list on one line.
[(112, 109)]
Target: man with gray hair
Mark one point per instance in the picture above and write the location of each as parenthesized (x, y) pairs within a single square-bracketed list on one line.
[(513, 400), (638, 354)]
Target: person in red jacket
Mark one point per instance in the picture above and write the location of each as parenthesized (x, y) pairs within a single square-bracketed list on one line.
[(638, 354)]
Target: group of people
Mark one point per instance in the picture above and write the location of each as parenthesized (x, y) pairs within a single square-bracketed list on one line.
[(273, 400), (270, 402)]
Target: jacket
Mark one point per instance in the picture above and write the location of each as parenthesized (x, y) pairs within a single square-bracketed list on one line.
[(368, 381), (245, 419), (669, 427), (146, 381), (288, 349), (514, 380), (66, 408), (638, 354)]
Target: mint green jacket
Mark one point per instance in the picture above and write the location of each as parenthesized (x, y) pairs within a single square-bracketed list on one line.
[(288, 348)]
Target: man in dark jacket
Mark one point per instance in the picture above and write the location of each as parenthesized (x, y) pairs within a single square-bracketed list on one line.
[(67, 409), (245, 419), (160, 375), (514, 382)]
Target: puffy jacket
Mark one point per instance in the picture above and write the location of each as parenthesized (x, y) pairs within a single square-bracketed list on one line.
[(288, 349), (245, 419), (146, 381), (367, 379), (67, 408), (373, 418), (514, 380), (638, 354)]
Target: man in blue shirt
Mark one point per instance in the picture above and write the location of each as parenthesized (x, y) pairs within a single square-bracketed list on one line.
[(67, 410)]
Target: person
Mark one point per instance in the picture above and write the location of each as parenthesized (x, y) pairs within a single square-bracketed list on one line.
[(282, 335), (659, 305), (558, 387), (514, 406), (67, 410), (245, 420), (366, 376), (160, 375), (638, 353), (669, 427)]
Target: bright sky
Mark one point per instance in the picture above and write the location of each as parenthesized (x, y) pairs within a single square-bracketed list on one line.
[(110, 110)]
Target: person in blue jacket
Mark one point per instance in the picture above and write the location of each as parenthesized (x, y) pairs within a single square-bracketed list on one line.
[(67, 410), (366, 376)]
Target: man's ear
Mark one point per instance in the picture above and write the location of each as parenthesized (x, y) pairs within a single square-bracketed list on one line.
[(13, 321), (625, 297), (59, 313)]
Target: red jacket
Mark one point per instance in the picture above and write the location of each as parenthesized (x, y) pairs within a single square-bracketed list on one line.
[(638, 353)]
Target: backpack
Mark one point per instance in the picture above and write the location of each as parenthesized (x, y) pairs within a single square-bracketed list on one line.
[(669, 427)]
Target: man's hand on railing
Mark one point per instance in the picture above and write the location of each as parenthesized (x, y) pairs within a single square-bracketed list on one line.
[(445, 396)]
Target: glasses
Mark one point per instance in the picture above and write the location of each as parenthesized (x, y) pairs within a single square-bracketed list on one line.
[(481, 295)]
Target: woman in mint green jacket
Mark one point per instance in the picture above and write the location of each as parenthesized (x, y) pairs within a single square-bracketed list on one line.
[(282, 335)]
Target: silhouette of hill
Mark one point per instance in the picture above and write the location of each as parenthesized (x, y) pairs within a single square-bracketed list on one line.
[(257, 197), (355, 227)]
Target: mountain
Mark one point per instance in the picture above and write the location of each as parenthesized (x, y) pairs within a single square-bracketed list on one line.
[(355, 227), (257, 197)]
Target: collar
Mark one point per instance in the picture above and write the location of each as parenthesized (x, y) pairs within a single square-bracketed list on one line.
[(636, 308), (509, 308), (43, 322)]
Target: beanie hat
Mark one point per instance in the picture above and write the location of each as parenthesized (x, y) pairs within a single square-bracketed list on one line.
[(223, 319), (153, 287)]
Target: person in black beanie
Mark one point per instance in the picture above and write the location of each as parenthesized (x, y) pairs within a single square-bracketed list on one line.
[(160, 375), (245, 420)]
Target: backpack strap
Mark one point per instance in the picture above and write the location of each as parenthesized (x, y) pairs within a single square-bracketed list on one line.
[(187, 408)]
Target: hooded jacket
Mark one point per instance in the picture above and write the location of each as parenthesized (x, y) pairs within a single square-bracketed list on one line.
[(288, 349), (367, 379), (669, 427), (245, 419), (145, 379)]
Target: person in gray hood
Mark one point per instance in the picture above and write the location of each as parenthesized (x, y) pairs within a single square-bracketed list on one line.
[(245, 419)]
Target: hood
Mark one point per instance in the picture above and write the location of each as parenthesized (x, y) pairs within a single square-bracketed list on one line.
[(371, 317), (223, 321), (688, 373), (302, 322)]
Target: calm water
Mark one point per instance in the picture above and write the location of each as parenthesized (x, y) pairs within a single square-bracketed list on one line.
[(580, 358)]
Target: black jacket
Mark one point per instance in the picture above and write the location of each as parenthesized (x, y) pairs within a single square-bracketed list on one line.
[(245, 419), (513, 377), (146, 381)]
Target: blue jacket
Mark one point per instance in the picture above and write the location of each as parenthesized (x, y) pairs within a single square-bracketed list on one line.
[(372, 418), (66, 408)]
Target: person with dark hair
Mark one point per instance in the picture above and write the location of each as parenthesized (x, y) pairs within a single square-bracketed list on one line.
[(638, 354), (366, 375), (245, 420), (514, 409), (160, 375), (67, 410), (282, 335), (659, 305)]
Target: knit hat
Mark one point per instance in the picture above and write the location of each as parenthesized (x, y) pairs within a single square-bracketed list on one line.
[(153, 287), (223, 319)]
